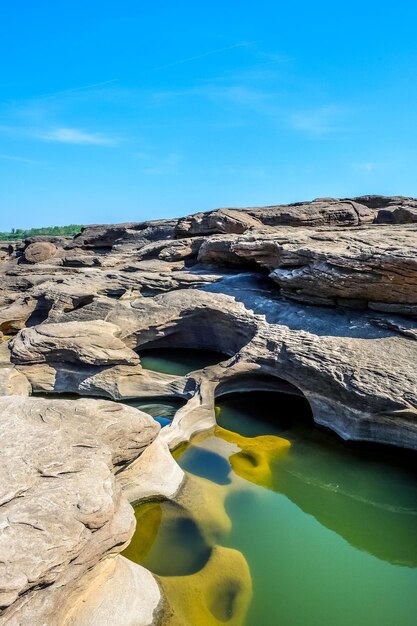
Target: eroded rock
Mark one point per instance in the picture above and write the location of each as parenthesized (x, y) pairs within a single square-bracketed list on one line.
[(369, 265), (40, 251), (14, 316), (239, 281), (320, 212), (93, 343), (61, 510), (13, 383)]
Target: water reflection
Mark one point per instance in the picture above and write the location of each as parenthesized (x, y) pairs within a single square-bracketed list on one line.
[(328, 531), (367, 496)]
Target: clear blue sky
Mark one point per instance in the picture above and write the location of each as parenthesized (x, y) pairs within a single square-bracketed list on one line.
[(132, 110)]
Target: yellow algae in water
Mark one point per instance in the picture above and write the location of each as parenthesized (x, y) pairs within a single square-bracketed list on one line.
[(253, 462), (219, 593), (148, 520), (195, 441)]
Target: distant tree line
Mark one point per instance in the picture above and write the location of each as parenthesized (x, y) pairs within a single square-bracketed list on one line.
[(54, 231)]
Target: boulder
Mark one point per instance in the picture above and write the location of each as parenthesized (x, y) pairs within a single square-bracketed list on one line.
[(40, 251)]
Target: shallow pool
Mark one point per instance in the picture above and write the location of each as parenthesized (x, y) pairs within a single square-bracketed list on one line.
[(178, 361), (280, 523)]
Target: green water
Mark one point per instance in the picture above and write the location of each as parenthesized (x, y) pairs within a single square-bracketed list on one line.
[(336, 537), (328, 531), (185, 361)]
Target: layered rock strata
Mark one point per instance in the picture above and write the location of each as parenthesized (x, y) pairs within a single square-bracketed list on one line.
[(317, 298)]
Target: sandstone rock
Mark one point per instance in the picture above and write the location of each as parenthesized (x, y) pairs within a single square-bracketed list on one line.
[(117, 382), (4, 353), (391, 209), (320, 212), (317, 213), (61, 510), (370, 264), (14, 316), (80, 258), (117, 583), (169, 250), (219, 221), (40, 251), (13, 383), (238, 281), (335, 359), (77, 342), (109, 235)]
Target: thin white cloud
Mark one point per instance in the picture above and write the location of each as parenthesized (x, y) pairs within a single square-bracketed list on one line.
[(319, 121), (76, 136), (236, 94), (12, 157), (63, 134)]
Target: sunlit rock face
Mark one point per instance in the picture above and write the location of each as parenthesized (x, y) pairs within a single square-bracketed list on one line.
[(318, 299), (61, 509)]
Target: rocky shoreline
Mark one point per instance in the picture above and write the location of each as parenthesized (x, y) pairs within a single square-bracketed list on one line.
[(315, 298)]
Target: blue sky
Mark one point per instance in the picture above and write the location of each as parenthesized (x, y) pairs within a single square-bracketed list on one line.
[(136, 110)]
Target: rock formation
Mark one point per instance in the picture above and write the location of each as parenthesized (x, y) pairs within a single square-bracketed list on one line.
[(61, 509), (39, 251), (315, 298)]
